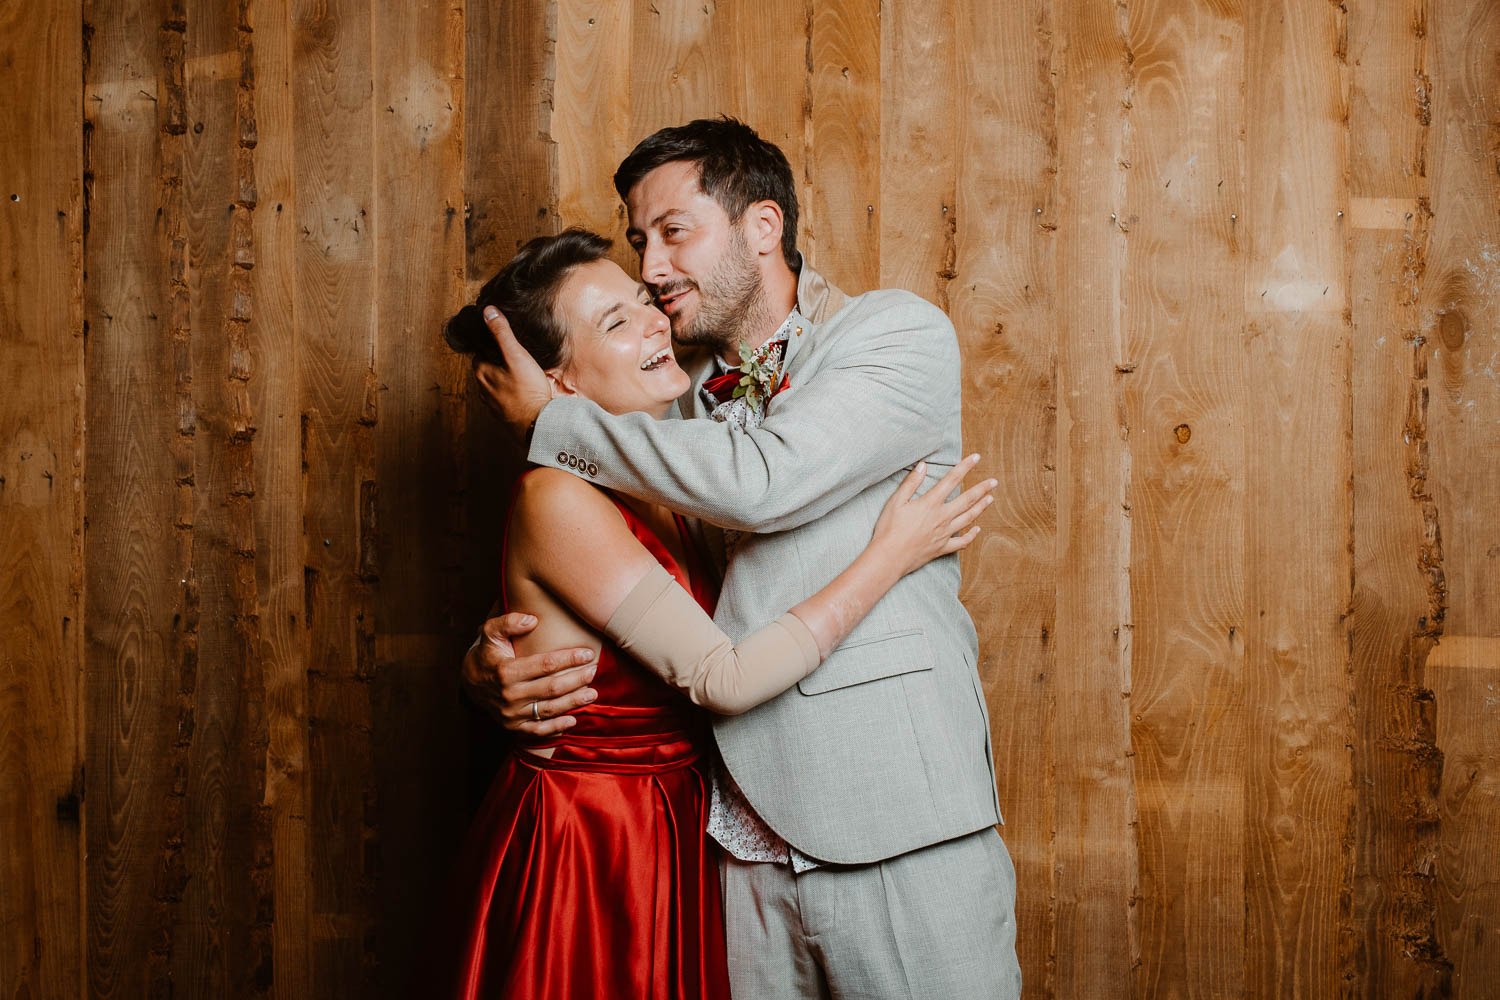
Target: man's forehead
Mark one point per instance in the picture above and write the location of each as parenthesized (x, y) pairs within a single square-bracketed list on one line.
[(672, 188)]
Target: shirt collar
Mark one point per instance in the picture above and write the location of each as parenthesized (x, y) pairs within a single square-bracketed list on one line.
[(783, 332)]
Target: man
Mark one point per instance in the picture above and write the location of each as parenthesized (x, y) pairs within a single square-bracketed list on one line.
[(857, 809)]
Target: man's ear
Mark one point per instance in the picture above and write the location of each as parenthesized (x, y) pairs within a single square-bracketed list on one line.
[(763, 227)]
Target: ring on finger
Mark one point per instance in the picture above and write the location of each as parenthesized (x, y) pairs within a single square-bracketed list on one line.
[(536, 711)]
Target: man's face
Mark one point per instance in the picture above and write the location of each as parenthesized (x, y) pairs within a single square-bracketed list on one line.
[(696, 262)]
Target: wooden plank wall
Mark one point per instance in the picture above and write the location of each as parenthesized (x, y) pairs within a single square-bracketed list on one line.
[(41, 504), (1227, 280)]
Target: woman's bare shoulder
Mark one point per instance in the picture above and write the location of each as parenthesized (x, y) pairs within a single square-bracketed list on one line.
[(570, 539), (550, 500)]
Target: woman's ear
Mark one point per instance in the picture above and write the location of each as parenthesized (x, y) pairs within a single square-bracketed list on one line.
[(561, 385)]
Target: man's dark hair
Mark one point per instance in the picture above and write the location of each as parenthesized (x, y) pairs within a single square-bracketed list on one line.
[(736, 168), (525, 290)]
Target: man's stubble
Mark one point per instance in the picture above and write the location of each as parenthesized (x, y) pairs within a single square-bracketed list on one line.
[(731, 303)]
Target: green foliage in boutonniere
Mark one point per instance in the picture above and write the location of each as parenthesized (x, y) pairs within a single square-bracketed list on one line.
[(757, 373)]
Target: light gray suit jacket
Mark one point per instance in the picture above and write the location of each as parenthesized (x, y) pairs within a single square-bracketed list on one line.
[(885, 747)]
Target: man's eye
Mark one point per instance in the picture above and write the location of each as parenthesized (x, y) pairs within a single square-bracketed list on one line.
[(672, 230)]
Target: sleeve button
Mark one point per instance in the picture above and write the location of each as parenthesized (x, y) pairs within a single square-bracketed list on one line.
[(562, 458), (593, 469)]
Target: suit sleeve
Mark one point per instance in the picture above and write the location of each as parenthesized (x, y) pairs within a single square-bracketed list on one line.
[(880, 402)]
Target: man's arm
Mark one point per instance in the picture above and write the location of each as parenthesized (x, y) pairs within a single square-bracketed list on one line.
[(526, 694), (882, 405)]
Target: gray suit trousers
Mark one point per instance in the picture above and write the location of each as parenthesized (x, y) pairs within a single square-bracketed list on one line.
[(933, 923)]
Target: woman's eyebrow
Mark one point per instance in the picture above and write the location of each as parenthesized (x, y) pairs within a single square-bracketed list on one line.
[(603, 314)]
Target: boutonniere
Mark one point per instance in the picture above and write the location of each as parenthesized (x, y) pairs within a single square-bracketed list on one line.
[(758, 368)]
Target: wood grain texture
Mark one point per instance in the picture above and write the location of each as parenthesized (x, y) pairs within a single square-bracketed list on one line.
[(593, 95), (419, 267), (991, 263), (274, 391), (141, 606), (1460, 297), (682, 64), (1183, 376), (1096, 848), (1297, 353), (220, 944), (41, 505), (510, 162), (510, 178), (336, 307), (919, 154), (1461, 330), (1398, 583), (842, 192), (1224, 277), (1464, 672)]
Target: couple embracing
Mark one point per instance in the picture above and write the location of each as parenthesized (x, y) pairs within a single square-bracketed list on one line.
[(751, 745)]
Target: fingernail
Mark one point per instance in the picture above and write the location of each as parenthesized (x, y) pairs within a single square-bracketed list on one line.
[(491, 313), (588, 674), (589, 696), (528, 620)]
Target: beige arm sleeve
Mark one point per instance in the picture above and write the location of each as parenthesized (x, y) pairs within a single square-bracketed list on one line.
[(660, 624)]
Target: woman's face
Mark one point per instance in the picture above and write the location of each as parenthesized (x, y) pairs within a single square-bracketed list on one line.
[(619, 344)]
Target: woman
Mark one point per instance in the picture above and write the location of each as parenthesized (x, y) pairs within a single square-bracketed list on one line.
[(587, 873)]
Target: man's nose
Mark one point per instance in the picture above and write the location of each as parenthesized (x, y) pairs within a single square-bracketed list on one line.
[(655, 267)]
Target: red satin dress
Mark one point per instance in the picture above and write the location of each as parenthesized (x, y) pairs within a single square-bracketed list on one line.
[(587, 874)]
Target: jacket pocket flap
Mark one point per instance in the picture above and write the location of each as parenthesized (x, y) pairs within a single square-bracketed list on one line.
[(871, 659)]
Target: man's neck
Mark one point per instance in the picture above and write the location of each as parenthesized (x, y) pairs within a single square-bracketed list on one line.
[(778, 300)]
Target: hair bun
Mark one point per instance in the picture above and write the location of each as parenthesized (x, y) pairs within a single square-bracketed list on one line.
[(467, 333)]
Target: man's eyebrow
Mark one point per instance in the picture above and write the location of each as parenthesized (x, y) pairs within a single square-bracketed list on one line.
[(636, 232), (663, 217)]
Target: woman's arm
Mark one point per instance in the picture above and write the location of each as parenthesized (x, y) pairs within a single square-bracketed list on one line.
[(578, 547), (911, 532)]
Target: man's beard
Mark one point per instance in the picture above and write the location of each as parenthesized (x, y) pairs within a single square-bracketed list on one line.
[(731, 300)]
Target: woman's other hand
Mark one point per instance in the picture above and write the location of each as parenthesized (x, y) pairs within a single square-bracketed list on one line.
[(913, 530)]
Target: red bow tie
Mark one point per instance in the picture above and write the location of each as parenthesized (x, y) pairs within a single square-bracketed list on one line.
[(721, 387)]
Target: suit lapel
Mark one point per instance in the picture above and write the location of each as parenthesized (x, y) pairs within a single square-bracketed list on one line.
[(817, 303)]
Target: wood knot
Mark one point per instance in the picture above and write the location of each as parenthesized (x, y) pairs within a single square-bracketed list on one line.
[(1183, 432)]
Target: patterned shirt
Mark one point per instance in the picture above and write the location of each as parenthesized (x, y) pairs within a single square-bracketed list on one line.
[(732, 821)]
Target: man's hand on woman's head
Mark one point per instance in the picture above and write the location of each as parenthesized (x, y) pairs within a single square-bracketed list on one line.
[(526, 694), (518, 391)]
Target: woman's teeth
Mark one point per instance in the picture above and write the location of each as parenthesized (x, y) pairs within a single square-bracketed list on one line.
[(656, 360)]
